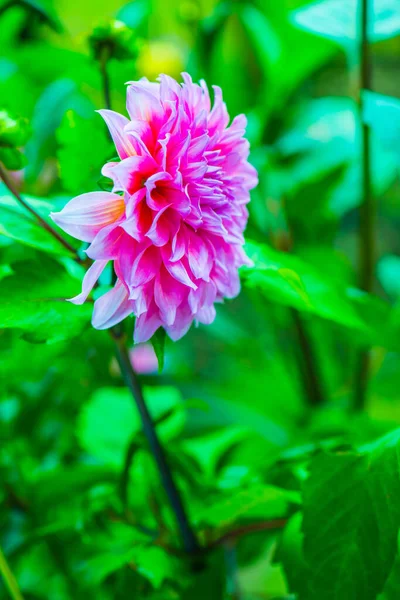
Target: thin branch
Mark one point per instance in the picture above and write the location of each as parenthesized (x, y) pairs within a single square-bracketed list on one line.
[(103, 62), (367, 207), (10, 185), (9, 579), (189, 539), (248, 529), (313, 390)]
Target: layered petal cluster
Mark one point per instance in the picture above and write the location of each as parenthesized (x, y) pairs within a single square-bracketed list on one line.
[(173, 225)]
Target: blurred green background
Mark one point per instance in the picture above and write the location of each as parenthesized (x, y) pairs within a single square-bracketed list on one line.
[(243, 403)]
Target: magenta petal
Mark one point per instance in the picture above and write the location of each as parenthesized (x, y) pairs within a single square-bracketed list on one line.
[(85, 216), (179, 272), (89, 281), (112, 307), (106, 243), (116, 124), (168, 295), (146, 325)]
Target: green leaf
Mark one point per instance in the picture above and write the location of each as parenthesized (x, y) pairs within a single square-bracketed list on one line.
[(288, 280), (84, 148), (290, 554), (33, 301), (351, 520), (13, 132), (325, 137), (12, 158), (110, 419), (389, 274), (158, 342), (18, 225), (254, 502), (337, 20)]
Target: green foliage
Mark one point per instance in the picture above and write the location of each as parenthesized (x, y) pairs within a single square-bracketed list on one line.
[(363, 532), (83, 150), (291, 493)]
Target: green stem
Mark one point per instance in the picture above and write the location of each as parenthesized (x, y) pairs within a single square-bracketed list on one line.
[(189, 539), (10, 185), (367, 207), (103, 61), (312, 379), (9, 579)]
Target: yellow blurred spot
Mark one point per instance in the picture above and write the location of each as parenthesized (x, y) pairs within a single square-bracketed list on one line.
[(161, 56)]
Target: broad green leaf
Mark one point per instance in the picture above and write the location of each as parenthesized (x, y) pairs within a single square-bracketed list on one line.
[(351, 520), (17, 224), (110, 419), (338, 19), (84, 148), (290, 554), (288, 280), (32, 300)]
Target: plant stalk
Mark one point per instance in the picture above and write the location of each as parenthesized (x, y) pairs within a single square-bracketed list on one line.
[(312, 381), (9, 579), (189, 539), (103, 61), (367, 207), (10, 185)]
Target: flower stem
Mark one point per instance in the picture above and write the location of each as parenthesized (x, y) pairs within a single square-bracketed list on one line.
[(189, 539), (367, 208), (103, 60), (313, 389), (10, 185), (9, 579)]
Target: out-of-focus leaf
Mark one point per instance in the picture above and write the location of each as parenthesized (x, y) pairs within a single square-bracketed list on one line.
[(337, 19), (17, 224), (44, 8), (392, 587), (84, 148), (382, 114), (110, 420), (33, 300), (134, 13), (352, 517), (56, 99), (389, 274), (326, 136), (13, 132)]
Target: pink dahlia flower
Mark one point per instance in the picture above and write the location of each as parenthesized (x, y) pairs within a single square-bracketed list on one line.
[(174, 224)]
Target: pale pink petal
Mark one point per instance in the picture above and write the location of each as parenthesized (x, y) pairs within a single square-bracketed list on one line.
[(86, 215), (116, 124), (112, 307), (89, 281)]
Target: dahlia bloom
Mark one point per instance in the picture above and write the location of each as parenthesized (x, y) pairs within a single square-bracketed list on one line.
[(173, 225)]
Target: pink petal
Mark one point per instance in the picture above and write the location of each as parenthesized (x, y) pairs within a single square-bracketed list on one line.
[(112, 307), (116, 124), (84, 216), (106, 243), (168, 294), (146, 325), (89, 281)]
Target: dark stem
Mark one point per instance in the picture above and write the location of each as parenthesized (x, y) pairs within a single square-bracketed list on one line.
[(367, 207), (247, 530), (313, 391), (189, 540), (231, 565), (103, 60), (10, 185)]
